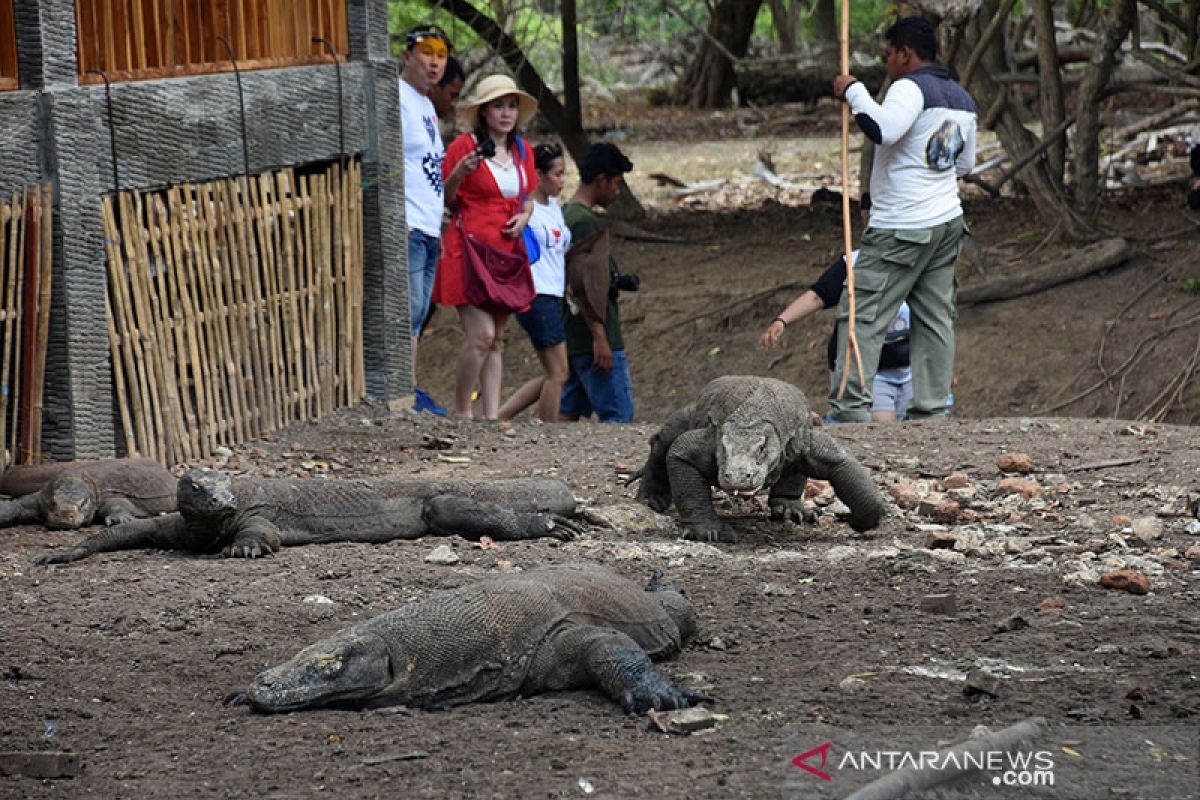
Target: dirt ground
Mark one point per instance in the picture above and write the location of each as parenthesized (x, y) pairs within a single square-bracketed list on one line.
[(809, 634)]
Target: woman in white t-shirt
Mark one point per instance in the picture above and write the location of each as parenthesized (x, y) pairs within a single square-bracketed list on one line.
[(543, 321)]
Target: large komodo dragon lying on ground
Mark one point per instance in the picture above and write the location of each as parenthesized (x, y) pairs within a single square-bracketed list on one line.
[(569, 626), (73, 494), (250, 517), (745, 433)]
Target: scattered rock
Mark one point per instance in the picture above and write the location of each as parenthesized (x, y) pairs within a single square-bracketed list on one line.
[(1126, 580), (442, 554), (937, 540), (634, 518), (1025, 487), (938, 507), (319, 599), (1192, 528), (1052, 605), (1122, 521), (682, 720), (1193, 553), (777, 590), (1014, 462), (956, 480), (939, 604), (1013, 622), (905, 495), (980, 682), (1148, 529)]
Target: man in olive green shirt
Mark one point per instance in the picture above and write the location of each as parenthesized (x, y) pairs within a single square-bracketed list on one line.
[(599, 372)]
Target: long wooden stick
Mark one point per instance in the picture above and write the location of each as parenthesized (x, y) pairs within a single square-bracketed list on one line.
[(847, 223)]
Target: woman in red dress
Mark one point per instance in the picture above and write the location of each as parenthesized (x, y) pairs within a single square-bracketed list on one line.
[(493, 203)]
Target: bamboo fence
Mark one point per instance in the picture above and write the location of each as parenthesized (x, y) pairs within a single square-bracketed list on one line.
[(26, 220), (234, 307), (149, 39)]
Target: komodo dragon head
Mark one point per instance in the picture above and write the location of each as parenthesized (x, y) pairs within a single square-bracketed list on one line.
[(73, 502), (341, 669), (205, 493), (749, 454)]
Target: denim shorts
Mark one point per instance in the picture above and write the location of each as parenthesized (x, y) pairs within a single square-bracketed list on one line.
[(609, 394), (423, 251), (543, 321)]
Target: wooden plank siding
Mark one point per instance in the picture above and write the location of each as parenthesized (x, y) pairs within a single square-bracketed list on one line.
[(8, 46), (146, 39)]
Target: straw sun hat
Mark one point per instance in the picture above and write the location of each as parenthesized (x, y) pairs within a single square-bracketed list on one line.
[(491, 88)]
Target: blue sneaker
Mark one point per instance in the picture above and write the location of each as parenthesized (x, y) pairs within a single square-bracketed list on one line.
[(424, 402)]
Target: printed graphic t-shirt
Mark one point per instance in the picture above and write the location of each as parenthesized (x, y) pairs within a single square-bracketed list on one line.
[(423, 154), (554, 238)]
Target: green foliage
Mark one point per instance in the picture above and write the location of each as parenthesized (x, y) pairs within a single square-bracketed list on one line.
[(1191, 285)]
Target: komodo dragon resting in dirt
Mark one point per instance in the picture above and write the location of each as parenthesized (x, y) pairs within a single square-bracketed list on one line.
[(744, 433), (568, 626), (251, 517), (73, 494)]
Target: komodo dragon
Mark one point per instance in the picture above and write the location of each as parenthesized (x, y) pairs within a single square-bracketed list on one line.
[(568, 626), (744, 433), (251, 517), (71, 495)]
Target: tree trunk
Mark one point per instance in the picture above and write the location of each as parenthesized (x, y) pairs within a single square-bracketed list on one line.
[(1050, 100), (825, 20), (1121, 15), (783, 18), (1046, 195), (709, 80), (570, 66)]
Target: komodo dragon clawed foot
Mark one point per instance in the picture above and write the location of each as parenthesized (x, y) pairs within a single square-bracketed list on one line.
[(658, 693), (792, 509), (470, 518), (704, 529)]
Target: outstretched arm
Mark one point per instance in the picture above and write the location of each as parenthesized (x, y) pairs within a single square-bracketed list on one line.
[(168, 532)]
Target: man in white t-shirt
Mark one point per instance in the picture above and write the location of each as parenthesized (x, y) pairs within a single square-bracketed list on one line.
[(426, 48), (924, 135)]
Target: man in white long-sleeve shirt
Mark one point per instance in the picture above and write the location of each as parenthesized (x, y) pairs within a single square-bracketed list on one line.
[(924, 135)]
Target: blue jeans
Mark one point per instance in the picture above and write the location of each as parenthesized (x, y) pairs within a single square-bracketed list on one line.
[(423, 251), (609, 394)]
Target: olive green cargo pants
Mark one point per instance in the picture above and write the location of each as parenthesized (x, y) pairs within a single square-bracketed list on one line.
[(894, 266)]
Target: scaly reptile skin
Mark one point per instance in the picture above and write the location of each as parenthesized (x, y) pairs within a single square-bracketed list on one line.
[(72, 494), (251, 517), (746, 433), (560, 627)]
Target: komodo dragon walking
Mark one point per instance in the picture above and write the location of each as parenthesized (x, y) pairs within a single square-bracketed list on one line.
[(73, 494), (744, 433), (250, 517), (569, 626)]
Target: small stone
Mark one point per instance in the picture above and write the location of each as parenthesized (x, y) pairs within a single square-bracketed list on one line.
[(939, 604), (442, 554), (905, 495), (1193, 553), (777, 590), (1025, 487), (1013, 622), (1148, 529), (1126, 580), (956, 480), (1014, 462), (936, 540), (979, 682), (1192, 528), (1122, 521), (319, 599), (1052, 605), (816, 488), (40, 764)]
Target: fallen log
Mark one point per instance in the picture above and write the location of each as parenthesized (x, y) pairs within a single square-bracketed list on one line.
[(1090, 259)]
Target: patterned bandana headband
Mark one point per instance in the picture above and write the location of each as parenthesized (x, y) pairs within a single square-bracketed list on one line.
[(430, 35)]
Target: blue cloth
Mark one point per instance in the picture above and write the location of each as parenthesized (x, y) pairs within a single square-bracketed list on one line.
[(543, 321), (608, 394), (423, 251), (423, 402)]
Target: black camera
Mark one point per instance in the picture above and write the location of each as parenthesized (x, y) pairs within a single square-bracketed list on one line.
[(627, 283), (486, 148)]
